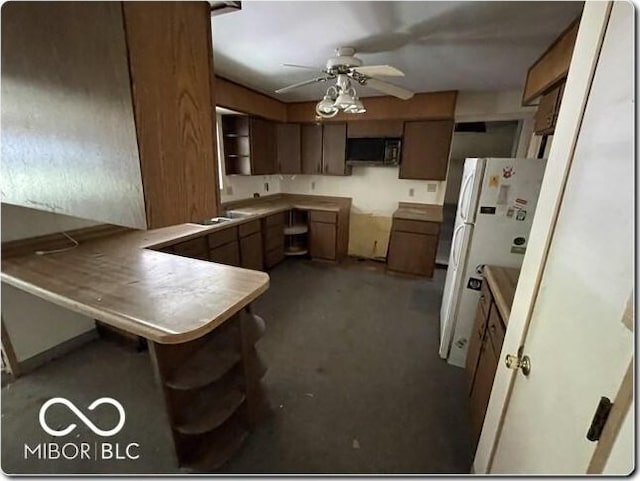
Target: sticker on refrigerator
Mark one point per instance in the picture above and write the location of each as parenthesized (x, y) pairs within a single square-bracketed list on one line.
[(510, 212), (508, 172), (487, 210), (521, 215), (494, 181), (474, 284)]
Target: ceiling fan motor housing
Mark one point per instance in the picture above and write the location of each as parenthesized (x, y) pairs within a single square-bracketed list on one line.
[(344, 60)]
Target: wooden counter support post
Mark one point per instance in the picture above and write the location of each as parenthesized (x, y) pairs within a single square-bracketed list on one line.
[(211, 390)]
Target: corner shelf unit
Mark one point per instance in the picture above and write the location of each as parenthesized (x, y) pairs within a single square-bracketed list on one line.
[(296, 233), (212, 390)]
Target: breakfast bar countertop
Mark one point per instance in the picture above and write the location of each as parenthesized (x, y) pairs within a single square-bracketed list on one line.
[(119, 280), (420, 212)]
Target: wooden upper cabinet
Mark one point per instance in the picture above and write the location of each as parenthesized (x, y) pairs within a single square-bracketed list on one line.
[(547, 113), (263, 146), (170, 56), (131, 142), (374, 128), (425, 149), (288, 149), (311, 148), (334, 149)]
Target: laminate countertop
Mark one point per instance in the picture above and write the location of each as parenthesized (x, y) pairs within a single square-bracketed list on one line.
[(502, 282), (120, 280), (420, 212)]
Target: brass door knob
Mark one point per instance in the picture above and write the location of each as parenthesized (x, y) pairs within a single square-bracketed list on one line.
[(519, 362)]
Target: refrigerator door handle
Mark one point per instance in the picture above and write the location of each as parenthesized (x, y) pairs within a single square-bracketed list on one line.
[(463, 204), (456, 259)]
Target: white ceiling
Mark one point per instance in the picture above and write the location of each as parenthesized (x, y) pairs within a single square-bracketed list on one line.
[(473, 45)]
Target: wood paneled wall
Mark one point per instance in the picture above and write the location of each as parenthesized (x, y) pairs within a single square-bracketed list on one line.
[(237, 97), (430, 105)]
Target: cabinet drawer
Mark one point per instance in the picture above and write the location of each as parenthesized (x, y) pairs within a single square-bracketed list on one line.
[(496, 330), (485, 297), (272, 257), (226, 254), (196, 248), (416, 226), (322, 216), (225, 236), (275, 219), (249, 228), (274, 238)]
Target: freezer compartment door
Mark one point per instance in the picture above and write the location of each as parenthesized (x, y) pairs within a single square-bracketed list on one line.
[(470, 189)]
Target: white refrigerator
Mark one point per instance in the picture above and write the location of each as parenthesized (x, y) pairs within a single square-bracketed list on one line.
[(497, 202)]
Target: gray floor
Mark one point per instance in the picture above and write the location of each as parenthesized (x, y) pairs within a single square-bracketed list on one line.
[(354, 378)]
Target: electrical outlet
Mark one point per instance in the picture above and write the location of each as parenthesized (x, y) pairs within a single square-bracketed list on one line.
[(411, 192), (313, 185), (266, 186), (229, 190), (431, 187)]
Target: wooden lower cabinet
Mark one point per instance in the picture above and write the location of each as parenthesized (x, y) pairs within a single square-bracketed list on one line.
[(251, 255), (228, 254), (322, 240), (273, 239), (412, 253), (475, 345), (195, 248), (486, 371)]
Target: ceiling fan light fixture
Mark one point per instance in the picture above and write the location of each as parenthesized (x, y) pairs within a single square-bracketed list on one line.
[(357, 107), (344, 101)]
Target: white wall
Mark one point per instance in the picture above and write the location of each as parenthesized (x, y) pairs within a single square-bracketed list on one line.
[(373, 190), (34, 325), (238, 187)]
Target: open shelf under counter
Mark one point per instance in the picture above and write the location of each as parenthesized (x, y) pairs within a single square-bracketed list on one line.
[(296, 229), (216, 447)]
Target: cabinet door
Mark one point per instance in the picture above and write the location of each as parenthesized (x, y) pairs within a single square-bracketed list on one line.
[(171, 63), (322, 240), (425, 149), (334, 149), (194, 248), (374, 128), (263, 147), (482, 387), (288, 148), (226, 254), (412, 253), (545, 119), (311, 148), (475, 343), (251, 252)]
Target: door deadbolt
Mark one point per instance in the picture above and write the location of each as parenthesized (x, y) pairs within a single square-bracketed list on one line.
[(519, 362)]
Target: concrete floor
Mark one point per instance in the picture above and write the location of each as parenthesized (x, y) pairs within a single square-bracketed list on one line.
[(355, 383)]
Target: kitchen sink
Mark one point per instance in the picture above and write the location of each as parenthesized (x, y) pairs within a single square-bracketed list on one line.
[(214, 221)]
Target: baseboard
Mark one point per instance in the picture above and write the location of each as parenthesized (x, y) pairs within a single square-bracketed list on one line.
[(34, 362)]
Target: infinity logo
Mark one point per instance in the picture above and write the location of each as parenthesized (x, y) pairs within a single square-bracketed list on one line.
[(82, 417)]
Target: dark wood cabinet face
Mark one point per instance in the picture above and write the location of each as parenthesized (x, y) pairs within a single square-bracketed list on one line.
[(425, 149)]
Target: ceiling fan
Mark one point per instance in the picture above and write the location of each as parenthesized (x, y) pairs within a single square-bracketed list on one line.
[(347, 69)]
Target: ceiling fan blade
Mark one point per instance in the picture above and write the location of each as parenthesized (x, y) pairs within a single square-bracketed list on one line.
[(388, 88), (301, 84), (379, 71), (306, 67)]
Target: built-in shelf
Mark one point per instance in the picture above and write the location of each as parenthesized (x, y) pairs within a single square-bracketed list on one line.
[(296, 229), (206, 365), (296, 251), (256, 367), (208, 412), (254, 328), (218, 446)]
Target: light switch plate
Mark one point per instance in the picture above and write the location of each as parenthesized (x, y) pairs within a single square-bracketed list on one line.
[(431, 187), (411, 192)]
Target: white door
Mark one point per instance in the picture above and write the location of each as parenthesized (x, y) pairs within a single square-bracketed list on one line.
[(577, 343)]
